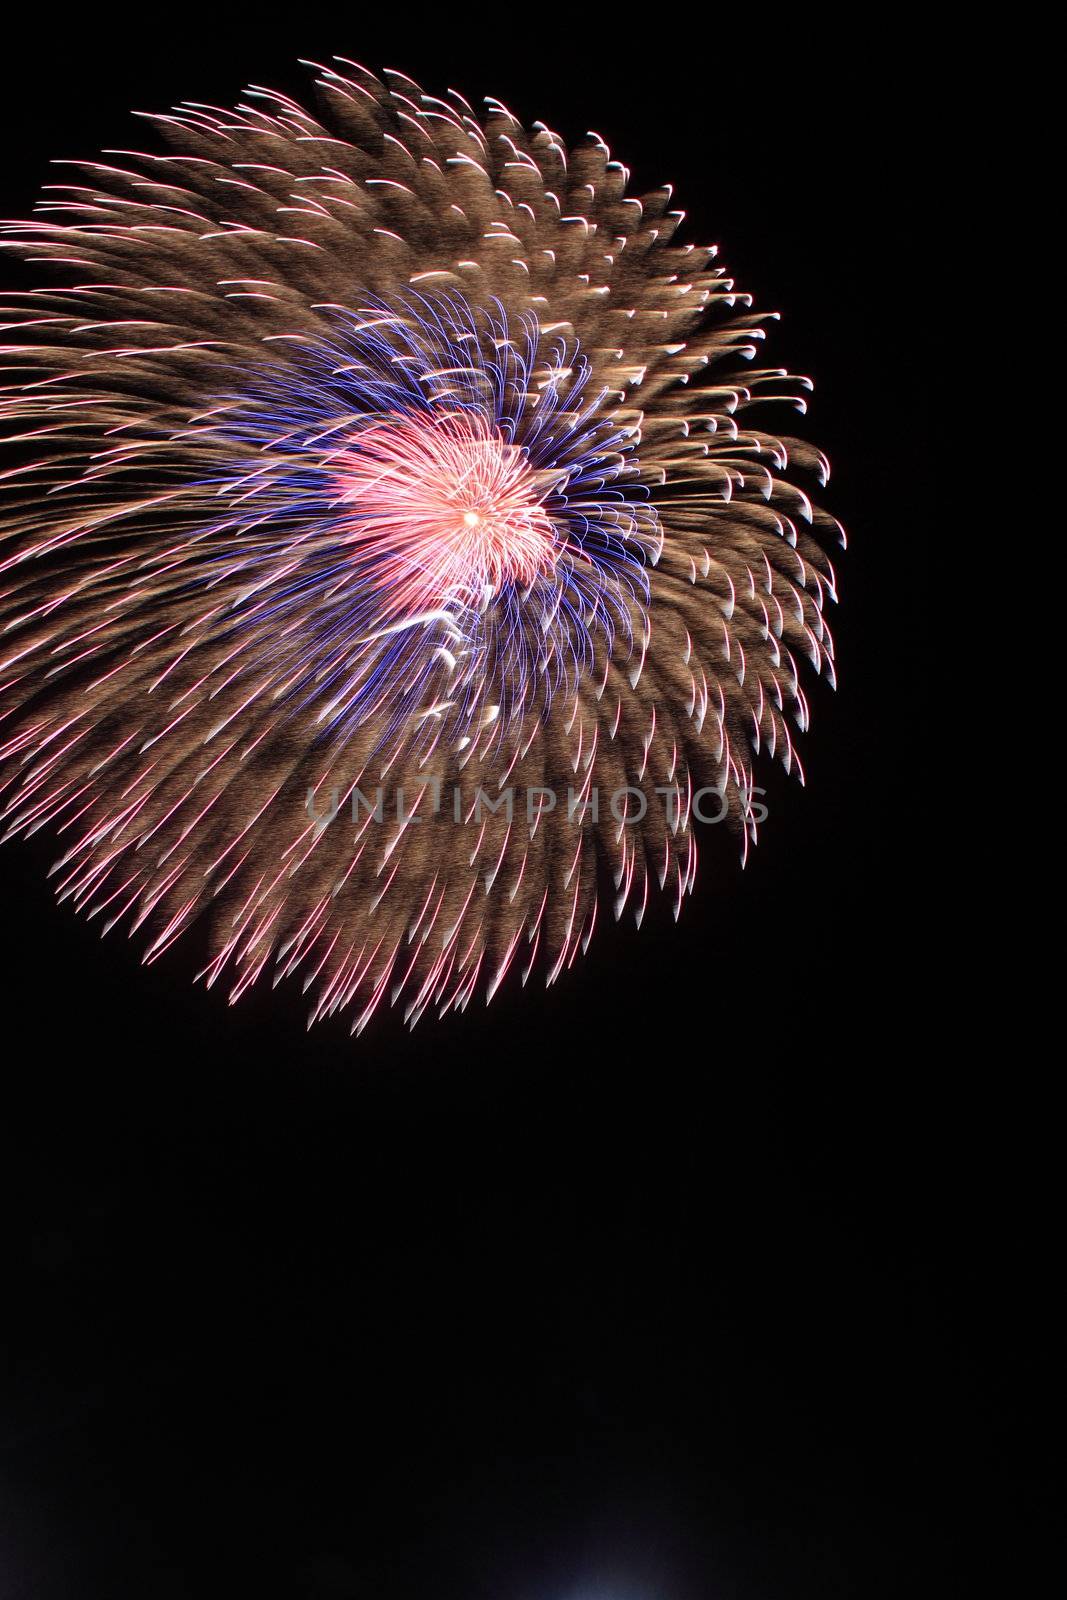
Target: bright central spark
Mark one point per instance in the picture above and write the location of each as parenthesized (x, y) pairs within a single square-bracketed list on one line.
[(448, 507)]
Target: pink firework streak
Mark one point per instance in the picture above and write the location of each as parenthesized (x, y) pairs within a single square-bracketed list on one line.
[(449, 507)]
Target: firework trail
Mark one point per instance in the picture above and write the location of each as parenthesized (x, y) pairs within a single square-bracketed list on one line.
[(367, 470)]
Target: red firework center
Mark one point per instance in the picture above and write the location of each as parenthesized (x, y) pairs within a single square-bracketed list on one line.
[(448, 507)]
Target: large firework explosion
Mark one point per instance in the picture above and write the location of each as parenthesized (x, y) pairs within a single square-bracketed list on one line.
[(383, 507)]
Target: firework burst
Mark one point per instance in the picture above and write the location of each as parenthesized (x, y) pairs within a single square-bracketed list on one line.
[(382, 507)]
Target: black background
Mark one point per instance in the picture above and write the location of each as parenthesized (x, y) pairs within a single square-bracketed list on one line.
[(668, 1284)]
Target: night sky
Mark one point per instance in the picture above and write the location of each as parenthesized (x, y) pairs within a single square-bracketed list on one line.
[(666, 1284)]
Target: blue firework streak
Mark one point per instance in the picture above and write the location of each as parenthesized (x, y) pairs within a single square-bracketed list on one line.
[(423, 356), (388, 449)]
